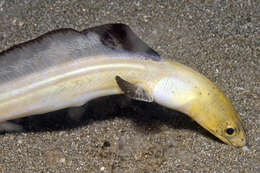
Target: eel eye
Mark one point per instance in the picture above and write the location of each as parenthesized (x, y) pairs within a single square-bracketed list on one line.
[(230, 131)]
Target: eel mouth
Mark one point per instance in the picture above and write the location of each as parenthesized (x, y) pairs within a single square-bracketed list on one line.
[(238, 142)]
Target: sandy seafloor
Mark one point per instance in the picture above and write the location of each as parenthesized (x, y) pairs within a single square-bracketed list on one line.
[(220, 39)]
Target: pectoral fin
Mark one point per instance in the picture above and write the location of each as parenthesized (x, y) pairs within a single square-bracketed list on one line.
[(133, 91)]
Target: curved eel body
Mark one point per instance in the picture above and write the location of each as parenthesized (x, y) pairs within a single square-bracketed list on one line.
[(66, 68)]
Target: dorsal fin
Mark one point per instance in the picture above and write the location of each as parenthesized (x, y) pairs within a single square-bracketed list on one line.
[(64, 45), (120, 36)]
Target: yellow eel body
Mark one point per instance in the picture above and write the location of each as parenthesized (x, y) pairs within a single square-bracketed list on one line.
[(72, 81)]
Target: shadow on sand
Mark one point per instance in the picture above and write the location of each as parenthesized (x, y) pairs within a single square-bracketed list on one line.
[(144, 115)]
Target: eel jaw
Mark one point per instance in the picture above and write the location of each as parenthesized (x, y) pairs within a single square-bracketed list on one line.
[(239, 141)]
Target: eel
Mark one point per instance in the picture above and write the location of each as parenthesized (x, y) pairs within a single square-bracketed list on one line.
[(66, 68)]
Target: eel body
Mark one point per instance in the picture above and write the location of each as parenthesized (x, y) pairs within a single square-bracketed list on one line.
[(66, 68)]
